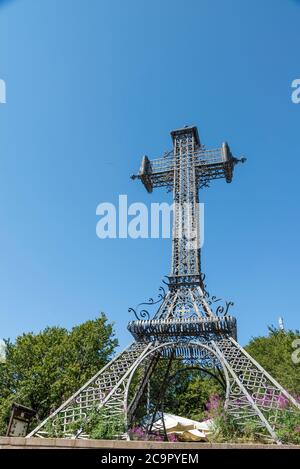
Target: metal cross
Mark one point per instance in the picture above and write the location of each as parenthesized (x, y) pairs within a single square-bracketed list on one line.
[(185, 169)]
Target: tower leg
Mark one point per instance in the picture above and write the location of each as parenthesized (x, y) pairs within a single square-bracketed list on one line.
[(148, 370), (254, 394), (107, 388), (159, 401)]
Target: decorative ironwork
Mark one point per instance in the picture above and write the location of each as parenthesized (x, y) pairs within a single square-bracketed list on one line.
[(185, 325), (141, 314), (221, 310)]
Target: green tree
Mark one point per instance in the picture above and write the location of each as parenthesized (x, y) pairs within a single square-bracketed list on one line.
[(42, 370), (274, 353), (185, 394), (198, 389)]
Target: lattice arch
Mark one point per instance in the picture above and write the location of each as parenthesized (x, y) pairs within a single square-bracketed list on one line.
[(194, 352)]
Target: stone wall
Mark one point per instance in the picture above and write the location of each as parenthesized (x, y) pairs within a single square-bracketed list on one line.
[(44, 443)]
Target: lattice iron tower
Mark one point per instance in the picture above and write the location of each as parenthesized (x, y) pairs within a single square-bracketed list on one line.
[(189, 323)]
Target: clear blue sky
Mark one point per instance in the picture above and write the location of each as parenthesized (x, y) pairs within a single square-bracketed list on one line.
[(92, 86)]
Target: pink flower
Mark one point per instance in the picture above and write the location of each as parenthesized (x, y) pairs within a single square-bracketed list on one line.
[(213, 402), (212, 405), (282, 402), (137, 432)]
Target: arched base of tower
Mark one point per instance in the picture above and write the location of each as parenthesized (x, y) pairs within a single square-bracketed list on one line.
[(251, 393)]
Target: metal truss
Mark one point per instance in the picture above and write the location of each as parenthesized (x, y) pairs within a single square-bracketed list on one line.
[(208, 164), (251, 393), (186, 324), (106, 388)]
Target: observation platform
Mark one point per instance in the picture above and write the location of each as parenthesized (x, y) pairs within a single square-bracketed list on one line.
[(165, 329)]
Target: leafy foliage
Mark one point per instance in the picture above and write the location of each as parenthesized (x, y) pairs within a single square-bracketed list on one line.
[(288, 427), (197, 391), (42, 370), (102, 426), (226, 429), (274, 353), (187, 390)]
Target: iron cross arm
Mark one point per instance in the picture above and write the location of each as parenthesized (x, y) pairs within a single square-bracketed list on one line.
[(209, 164)]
